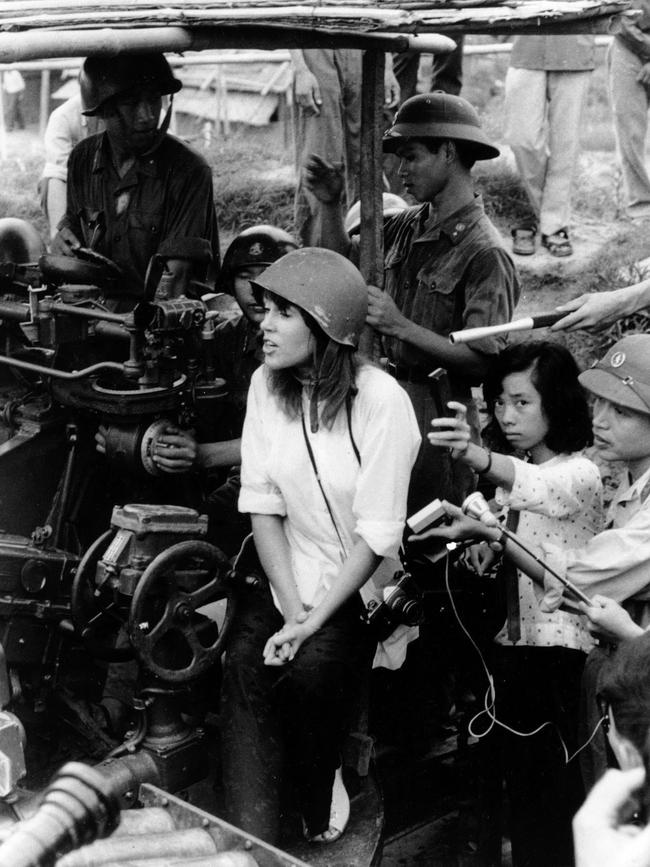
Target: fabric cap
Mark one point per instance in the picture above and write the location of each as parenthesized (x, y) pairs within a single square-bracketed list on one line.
[(439, 115), (623, 375)]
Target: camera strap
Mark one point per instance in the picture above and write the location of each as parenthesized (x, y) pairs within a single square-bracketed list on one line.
[(310, 451)]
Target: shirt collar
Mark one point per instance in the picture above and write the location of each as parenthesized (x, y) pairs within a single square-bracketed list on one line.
[(455, 226), (144, 166), (636, 490)]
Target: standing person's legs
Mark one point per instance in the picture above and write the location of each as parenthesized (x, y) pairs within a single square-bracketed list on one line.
[(318, 695), (567, 92), (447, 72), (405, 67), (630, 108), (348, 62), (535, 685), (525, 130), (321, 134)]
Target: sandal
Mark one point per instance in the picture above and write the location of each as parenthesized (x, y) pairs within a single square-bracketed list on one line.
[(523, 240), (558, 244), (339, 814)]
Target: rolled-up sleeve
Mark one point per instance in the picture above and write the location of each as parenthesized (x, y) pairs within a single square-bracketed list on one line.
[(615, 563), (258, 495), (388, 449), (551, 490)]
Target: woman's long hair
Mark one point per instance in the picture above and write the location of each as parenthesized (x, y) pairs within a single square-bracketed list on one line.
[(554, 374), (334, 382)]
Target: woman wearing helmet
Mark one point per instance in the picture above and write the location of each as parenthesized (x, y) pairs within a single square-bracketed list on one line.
[(327, 450)]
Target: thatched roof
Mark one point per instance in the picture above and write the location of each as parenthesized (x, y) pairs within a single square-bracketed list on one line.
[(362, 16)]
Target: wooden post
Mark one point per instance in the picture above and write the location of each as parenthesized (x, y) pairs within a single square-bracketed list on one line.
[(45, 102), (3, 125), (371, 178)]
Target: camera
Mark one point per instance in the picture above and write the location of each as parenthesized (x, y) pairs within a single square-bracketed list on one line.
[(402, 604)]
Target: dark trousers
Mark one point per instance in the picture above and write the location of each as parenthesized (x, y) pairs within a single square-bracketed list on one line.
[(446, 73), (287, 718), (533, 685)]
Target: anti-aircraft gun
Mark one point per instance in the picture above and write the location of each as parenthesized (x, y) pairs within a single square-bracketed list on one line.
[(102, 558)]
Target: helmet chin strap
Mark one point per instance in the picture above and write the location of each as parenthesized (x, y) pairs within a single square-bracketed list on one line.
[(162, 132)]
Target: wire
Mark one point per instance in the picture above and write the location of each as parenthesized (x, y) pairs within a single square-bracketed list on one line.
[(489, 700)]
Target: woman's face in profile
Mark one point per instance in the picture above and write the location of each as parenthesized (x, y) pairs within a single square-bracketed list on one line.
[(287, 339)]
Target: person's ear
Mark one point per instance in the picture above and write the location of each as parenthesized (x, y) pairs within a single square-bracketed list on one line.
[(450, 151)]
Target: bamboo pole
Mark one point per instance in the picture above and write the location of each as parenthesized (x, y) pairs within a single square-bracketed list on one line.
[(3, 125), (371, 177), (44, 111), (36, 44)]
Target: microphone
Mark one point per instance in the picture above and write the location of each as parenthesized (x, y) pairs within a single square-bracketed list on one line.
[(475, 506)]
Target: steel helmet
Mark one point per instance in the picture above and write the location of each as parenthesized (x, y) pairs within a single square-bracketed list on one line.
[(102, 78), (325, 285), (439, 115), (259, 245), (392, 204)]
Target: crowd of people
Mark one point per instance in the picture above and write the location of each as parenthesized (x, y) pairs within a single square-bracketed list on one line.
[(330, 453)]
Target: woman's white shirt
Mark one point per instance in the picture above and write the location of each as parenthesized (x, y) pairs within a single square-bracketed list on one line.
[(367, 498)]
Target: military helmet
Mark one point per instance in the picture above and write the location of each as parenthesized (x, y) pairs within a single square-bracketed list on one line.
[(391, 205), (442, 116), (325, 285), (259, 245), (102, 78)]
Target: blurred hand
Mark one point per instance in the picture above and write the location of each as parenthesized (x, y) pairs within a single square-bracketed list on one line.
[(100, 439), (452, 433), (609, 620), (307, 92), (644, 75), (175, 450), (64, 243), (594, 310), (479, 558), (323, 179), (600, 835)]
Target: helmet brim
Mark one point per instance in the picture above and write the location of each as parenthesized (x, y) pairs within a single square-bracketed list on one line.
[(398, 135), (606, 385)]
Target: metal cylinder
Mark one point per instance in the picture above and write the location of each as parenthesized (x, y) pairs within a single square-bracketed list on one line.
[(187, 844)]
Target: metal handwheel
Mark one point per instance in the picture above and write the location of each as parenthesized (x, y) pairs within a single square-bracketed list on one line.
[(169, 635), (98, 613)]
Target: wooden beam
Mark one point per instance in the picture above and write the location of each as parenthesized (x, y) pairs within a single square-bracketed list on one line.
[(371, 177)]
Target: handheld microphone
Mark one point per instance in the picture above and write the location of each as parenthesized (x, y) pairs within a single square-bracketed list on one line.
[(475, 506)]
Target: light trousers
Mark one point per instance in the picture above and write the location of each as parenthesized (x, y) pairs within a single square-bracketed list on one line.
[(630, 102), (543, 111)]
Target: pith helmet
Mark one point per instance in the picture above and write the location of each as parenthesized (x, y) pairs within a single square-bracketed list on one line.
[(392, 204), (259, 245), (623, 375), (102, 78), (325, 285), (439, 115)]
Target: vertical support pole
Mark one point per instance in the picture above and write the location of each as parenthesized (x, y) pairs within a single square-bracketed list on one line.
[(371, 177), (45, 102), (3, 125)]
